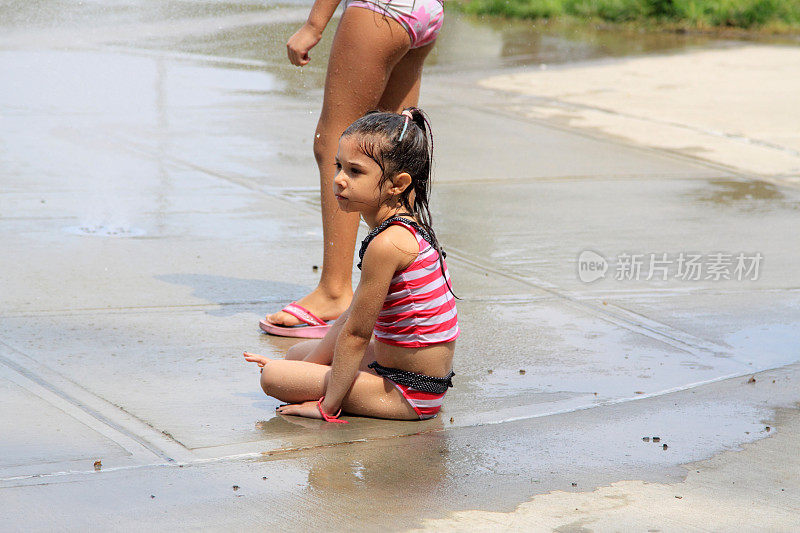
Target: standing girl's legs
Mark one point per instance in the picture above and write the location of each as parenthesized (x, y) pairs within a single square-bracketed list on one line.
[(371, 66)]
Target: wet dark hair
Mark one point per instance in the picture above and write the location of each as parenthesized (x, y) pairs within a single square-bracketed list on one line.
[(396, 147)]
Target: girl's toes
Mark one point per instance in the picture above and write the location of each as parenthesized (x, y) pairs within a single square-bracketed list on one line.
[(260, 360)]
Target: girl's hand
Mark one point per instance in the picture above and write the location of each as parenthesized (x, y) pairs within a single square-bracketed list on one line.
[(307, 409), (300, 43)]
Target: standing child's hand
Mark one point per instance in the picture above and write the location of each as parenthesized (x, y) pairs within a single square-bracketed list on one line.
[(300, 43)]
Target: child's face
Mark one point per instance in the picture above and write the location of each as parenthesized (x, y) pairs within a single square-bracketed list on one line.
[(357, 177)]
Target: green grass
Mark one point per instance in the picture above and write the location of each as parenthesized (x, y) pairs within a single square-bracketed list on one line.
[(779, 15)]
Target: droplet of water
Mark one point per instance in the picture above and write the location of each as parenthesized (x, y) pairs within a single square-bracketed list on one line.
[(104, 231)]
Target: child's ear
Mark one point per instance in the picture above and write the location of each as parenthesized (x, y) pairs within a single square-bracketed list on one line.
[(400, 183)]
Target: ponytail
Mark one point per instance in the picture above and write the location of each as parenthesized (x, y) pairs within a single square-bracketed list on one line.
[(403, 143)]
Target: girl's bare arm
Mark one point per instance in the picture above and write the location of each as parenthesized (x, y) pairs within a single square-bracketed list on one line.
[(310, 34), (321, 14), (380, 263)]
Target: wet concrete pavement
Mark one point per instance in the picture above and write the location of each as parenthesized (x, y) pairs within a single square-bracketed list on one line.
[(159, 197)]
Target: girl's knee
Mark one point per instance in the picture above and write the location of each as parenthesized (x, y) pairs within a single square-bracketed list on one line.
[(277, 377), (268, 378), (323, 149), (293, 381), (300, 351), (296, 352)]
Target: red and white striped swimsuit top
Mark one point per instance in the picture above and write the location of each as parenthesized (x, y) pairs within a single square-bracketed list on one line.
[(419, 309)]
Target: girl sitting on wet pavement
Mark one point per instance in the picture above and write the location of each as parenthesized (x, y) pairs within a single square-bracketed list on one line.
[(404, 298)]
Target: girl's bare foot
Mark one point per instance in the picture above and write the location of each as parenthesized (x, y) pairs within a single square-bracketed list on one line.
[(318, 302), (307, 423), (260, 360)]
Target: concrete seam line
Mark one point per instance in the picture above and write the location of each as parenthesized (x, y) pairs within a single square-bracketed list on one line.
[(655, 330), (102, 411)]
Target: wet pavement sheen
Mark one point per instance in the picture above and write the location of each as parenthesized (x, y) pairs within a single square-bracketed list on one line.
[(158, 198)]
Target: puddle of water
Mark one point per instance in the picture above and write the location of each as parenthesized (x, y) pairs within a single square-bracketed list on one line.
[(596, 361), (767, 345), (518, 460)]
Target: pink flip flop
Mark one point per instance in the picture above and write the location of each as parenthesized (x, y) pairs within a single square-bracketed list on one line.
[(313, 327)]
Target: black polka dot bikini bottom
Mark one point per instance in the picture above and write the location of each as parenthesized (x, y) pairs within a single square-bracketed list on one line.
[(424, 393)]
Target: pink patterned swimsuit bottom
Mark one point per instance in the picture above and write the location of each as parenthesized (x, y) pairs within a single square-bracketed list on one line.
[(422, 19)]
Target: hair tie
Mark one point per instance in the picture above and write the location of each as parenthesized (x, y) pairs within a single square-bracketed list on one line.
[(408, 116)]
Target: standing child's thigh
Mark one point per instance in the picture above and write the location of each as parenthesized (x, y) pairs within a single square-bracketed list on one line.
[(365, 49), (403, 87)]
